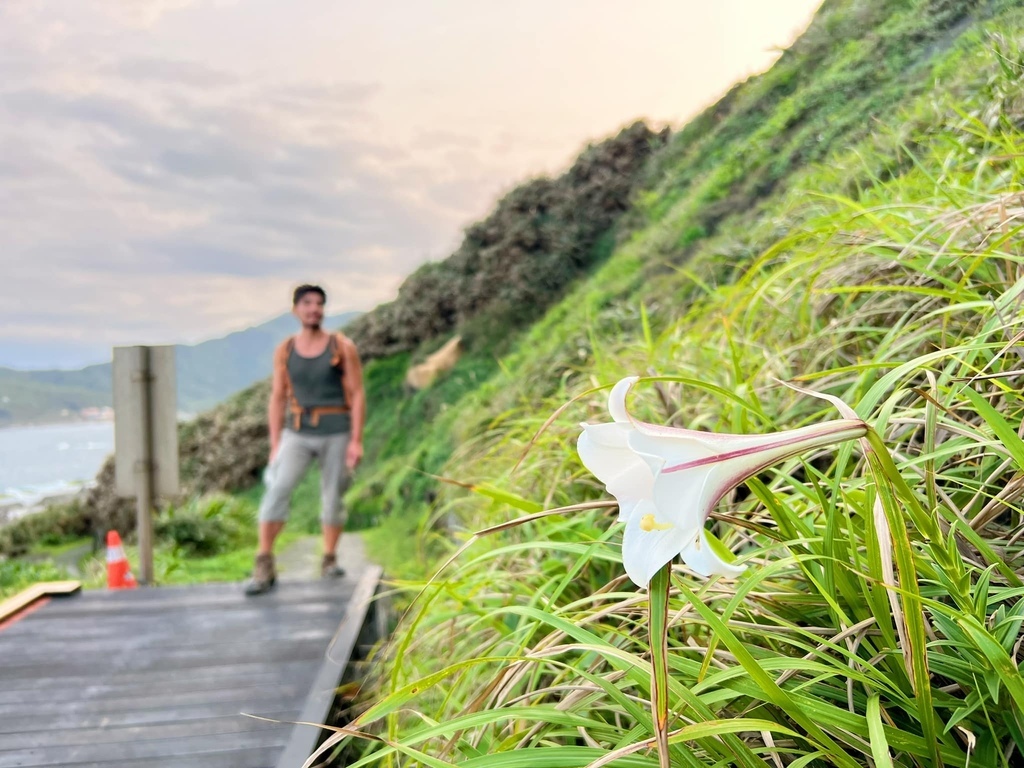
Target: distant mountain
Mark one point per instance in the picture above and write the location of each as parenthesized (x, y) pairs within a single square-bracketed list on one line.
[(208, 372)]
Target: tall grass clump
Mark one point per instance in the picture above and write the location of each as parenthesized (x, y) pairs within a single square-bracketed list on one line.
[(878, 621)]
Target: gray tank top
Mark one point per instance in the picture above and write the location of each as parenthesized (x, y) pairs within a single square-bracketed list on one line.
[(316, 382)]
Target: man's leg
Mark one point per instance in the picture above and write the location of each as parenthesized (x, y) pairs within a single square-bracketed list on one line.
[(292, 460), (294, 455), (333, 480), (268, 532), (332, 535)]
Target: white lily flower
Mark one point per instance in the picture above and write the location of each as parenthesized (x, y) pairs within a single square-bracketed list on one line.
[(667, 480)]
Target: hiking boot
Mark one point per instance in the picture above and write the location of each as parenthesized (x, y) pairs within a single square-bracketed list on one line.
[(263, 576), (329, 568)]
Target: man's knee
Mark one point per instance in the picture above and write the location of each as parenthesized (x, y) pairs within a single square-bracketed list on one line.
[(274, 506), (336, 517), (273, 510), (332, 504)]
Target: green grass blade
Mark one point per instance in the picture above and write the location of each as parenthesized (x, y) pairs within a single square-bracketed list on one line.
[(1006, 434), (879, 746), (772, 692)]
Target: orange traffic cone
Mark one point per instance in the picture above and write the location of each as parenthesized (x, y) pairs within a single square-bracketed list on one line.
[(119, 575)]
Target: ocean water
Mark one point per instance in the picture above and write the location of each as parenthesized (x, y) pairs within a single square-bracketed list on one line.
[(43, 461)]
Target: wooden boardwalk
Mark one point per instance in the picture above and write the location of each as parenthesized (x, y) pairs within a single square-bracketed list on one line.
[(155, 678)]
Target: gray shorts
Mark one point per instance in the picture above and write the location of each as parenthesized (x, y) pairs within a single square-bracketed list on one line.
[(294, 455)]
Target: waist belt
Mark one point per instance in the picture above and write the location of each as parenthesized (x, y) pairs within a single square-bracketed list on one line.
[(314, 413)]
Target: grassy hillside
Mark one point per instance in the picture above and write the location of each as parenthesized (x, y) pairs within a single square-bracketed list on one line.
[(515, 263), (708, 192), (849, 221)]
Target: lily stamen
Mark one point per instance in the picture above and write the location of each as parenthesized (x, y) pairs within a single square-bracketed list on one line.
[(649, 523)]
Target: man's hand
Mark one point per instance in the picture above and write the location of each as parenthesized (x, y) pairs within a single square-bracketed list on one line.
[(274, 446), (353, 454)]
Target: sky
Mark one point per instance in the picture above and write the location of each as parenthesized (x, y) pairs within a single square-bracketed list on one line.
[(171, 169)]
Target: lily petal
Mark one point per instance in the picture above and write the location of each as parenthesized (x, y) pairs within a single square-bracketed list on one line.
[(617, 399), (681, 496), (604, 450), (645, 552), (704, 561)]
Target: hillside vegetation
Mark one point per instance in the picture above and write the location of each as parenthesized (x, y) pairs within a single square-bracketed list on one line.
[(878, 621)]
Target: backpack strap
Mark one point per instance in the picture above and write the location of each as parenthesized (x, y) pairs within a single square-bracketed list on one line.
[(337, 346), (281, 355)]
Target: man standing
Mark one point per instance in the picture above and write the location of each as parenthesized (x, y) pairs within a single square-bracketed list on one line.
[(317, 411)]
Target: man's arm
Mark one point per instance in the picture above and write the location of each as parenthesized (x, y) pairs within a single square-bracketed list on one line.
[(276, 405), (355, 396)]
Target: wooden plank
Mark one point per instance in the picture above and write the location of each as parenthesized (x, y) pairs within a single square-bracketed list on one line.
[(121, 636), (185, 658), (44, 688), (270, 738), (272, 705), (233, 723), (161, 631), (148, 697), (304, 738), (169, 681), (150, 600), (240, 758), (25, 598), (92, 619), (161, 635)]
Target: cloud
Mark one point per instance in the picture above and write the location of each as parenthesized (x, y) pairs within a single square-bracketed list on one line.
[(146, 187), (435, 139), (144, 13), (153, 71)]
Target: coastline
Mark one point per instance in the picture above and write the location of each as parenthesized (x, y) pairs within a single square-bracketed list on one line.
[(51, 465), (56, 422), (14, 508)]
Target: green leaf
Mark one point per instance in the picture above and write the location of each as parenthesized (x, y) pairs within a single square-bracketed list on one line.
[(554, 757), (888, 485), (645, 323), (507, 497), (407, 693), (731, 725), (719, 548), (1008, 625), (981, 594), (971, 704), (879, 746), (1013, 723), (1006, 434), (1002, 664)]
